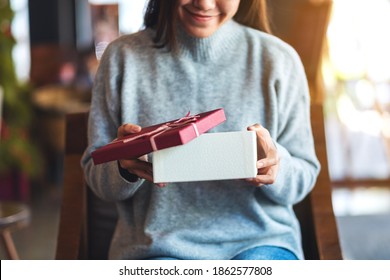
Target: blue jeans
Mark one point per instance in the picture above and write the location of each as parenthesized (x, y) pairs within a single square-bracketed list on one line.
[(256, 253), (266, 253)]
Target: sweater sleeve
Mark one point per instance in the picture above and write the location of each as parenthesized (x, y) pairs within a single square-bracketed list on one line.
[(299, 166), (106, 180)]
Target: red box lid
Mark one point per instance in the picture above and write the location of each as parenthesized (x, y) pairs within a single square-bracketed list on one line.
[(159, 136)]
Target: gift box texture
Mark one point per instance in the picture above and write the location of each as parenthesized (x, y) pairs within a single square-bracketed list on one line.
[(160, 136), (211, 156)]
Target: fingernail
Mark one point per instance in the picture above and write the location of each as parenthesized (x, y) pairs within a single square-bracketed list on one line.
[(259, 164)]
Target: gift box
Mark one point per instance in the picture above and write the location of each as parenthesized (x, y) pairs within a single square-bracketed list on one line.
[(212, 156), (159, 136)]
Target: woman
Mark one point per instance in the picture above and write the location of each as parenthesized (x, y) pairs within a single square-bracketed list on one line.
[(201, 55)]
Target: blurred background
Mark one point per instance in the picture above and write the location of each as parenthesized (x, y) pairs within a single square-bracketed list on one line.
[(49, 53)]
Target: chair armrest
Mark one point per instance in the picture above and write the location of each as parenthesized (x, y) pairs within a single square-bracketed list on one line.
[(71, 240), (324, 221), (70, 243)]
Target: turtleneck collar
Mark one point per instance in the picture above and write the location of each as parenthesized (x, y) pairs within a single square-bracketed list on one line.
[(209, 48)]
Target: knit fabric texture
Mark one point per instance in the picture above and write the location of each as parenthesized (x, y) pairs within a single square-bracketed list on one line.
[(256, 78)]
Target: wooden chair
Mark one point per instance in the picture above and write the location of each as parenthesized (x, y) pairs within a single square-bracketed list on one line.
[(86, 222), (303, 25)]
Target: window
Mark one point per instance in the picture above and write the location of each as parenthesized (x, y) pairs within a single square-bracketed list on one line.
[(20, 31), (357, 75)]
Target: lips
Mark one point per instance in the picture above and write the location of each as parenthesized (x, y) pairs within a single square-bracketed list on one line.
[(199, 17)]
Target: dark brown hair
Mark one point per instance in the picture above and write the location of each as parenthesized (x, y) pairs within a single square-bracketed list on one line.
[(161, 15)]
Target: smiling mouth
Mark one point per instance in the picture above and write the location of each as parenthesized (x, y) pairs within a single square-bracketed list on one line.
[(200, 17)]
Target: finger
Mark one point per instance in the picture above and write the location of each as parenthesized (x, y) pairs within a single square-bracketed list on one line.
[(268, 178), (140, 168), (161, 185), (127, 129), (255, 126), (136, 164), (253, 181), (264, 179), (260, 181), (147, 175), (143, 174), (267, 162), (262, 139)]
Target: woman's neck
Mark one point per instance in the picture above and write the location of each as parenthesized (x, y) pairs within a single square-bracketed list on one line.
[(211, 47)]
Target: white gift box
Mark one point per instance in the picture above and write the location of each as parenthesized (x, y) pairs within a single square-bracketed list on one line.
[(211, 156)]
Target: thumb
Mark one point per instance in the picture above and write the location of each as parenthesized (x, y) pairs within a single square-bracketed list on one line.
[(127, 129), (254, 127)]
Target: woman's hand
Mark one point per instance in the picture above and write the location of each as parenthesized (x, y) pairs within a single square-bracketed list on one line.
[(267, 157), (139, 166)]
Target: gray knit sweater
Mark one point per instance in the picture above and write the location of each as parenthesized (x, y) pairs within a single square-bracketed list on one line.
[(256, 78)]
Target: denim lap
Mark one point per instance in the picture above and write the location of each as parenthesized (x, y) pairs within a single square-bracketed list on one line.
[(266, 253), (257, 253)]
